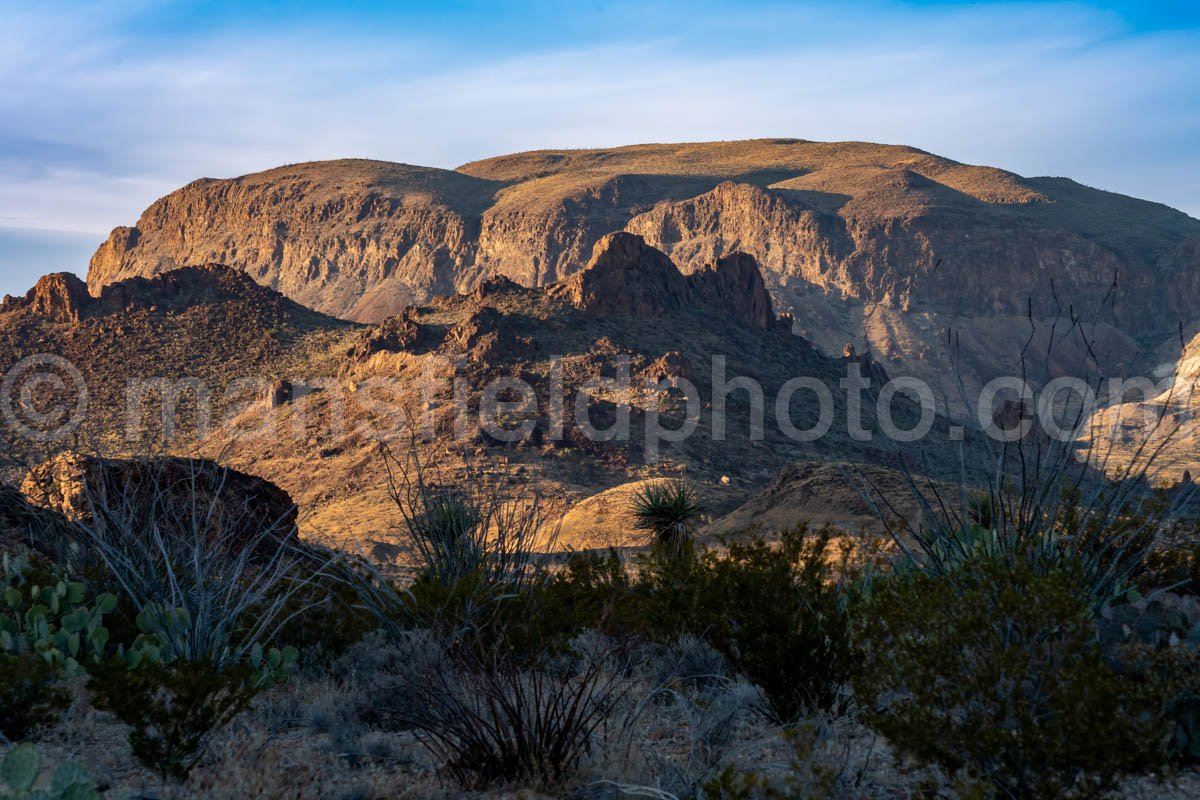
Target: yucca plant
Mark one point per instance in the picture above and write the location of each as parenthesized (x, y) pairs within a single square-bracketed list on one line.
[(462, 526), (668, 509)]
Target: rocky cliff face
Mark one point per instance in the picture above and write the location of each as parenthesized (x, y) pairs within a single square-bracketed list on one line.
[(874, 224), (627, 278), (355, 238), (58, 297)]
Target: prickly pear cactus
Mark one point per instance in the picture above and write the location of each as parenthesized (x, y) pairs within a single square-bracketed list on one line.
[(273, 667), (55, 622), (164, 639), (1159, 640), (21, 769)]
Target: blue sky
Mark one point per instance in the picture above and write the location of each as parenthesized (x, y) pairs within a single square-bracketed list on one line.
[(106, 106)]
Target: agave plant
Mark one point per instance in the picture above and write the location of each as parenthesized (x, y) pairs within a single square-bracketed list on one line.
[(668, 509)]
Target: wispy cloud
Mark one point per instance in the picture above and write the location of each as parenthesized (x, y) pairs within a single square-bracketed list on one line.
[(101, 113)]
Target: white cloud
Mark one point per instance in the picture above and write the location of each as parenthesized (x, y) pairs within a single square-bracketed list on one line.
[(96, 123)]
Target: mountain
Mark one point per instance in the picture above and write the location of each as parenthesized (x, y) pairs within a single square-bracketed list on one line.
[(417, 382), (205, 330), (870, 224)]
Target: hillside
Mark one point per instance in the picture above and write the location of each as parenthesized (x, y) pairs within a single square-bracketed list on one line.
[(197, 330), (630, 306), (870, 223)]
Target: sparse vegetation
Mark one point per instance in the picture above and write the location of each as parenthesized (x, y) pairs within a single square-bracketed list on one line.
[(985, 659), (778, 614)]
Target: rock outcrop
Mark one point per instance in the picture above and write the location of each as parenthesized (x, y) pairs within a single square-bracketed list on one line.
[(627, 278), (393, 335), (182, 496), (488, 337), (735, 281), (58, 297), (63, 298)]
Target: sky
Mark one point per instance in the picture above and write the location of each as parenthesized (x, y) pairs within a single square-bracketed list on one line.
[(104, 107)]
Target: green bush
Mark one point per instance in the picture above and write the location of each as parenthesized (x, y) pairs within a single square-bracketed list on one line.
[(777, 613), (171, 709), (324, 619), (173, 705), (1178, 568), (994, 669), (1157, 642)]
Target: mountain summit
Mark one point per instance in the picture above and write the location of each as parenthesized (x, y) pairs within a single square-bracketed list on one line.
[(868, 223)]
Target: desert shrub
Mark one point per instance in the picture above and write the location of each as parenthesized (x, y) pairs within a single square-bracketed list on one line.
[(993, 669), (30, 695), (21, 769), (172, 702), (709, 717), (491, 716), (171, 539), (171, 709), (777, 613), (1175, 568), (1058, 501), (1157, 642), (589, 591), (667, 510), (811, 773), (325, 617)]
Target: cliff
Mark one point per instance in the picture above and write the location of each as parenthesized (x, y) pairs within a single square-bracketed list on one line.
[(870, 223)]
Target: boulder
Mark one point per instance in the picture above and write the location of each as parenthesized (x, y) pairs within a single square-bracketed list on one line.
[(177, 494), (279, 393)]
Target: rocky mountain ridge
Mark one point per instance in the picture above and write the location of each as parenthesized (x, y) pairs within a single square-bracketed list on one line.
[(870, 223)]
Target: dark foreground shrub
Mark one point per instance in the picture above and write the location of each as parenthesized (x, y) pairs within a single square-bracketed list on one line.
[(30, 697), (325, 617), (492, 715), (1157, 642), (171, 709), (994, 670), (777, 613)]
